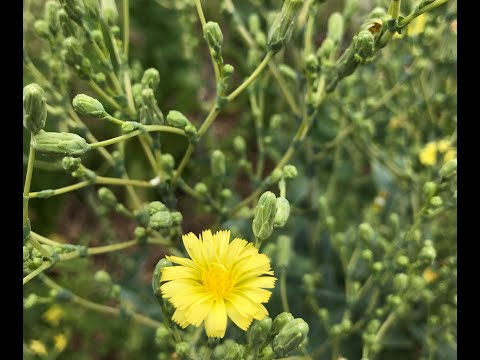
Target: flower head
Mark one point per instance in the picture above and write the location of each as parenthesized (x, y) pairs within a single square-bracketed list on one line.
[(221, 280), (60, 342), (53, 315), (37, 347)]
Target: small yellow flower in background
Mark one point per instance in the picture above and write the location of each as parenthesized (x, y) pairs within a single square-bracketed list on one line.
[(60, 342), (417, 25), (453, 26), (429, 275), (449, 155), (221, 280), (53, 315), (428, 155), (37, 347)]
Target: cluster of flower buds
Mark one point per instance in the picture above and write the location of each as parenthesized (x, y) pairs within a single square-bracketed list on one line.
[(177, 119), (282, 27)]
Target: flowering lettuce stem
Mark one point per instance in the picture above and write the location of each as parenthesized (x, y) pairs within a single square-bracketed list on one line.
[(203, 21), (110, 310), (28, 181), (215, 111), (283, 290), (98, 180), (126, 27)]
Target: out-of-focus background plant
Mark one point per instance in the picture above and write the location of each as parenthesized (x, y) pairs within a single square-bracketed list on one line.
[(350, 123)]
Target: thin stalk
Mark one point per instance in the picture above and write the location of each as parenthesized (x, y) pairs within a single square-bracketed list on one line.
[(28, 181)]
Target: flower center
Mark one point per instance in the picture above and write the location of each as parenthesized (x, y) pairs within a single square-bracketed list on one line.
[(217, 279)]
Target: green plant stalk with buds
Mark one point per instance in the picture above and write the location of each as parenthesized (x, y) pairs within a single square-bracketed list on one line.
[(347, 183)]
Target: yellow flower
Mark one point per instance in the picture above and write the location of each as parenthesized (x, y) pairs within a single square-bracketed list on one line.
[(428, 155), (417, 25), (53, 315), (429, 275), (443, 145), (37, 347), (60, 342), (449, 155), (222, 280)]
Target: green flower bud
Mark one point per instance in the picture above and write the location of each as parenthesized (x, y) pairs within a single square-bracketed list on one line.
[(140, 234), (102, 277), (449, 168), (213, 36), (86, 105), (228, 70), (157, 274), (258, 333), (364, 44), (151, 78), (377, 267), (217, 164), (201, 188), (41, 29), (109, 11), (275, 176), (429, 189), (427, 253), (161, 220), (436, 201), (284, 251), (60, 144), (254, 24), (282, 213), (226, 193), (394, 301), (26, 253), (275, 121), (66, 24), (92, 8), (30, 301), (75, 9), (309, 282), (311, 64), (177, 217), (290, 337), (290, 171), (234, 351), (191, 131), (239, 145), (267, 353), (402, 260), (335, 28), (323, 314), (282, 27), (163, 337), (51, 9), (168, 162), (367, 255), (177, 119), (34, 108), (37, 262), (107, 197), (330, 222), (400, 282), (71, 164), (279, 323), (265, 211), (130, 126), (183, 350), (365, 232)]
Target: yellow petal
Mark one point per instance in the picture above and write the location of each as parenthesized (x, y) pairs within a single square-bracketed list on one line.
[(241, 320), (180, 319), (182, 261), (243, 304), (233, 250), (208, 246), (216, 320), (267, 282), (255, 294), (252, 266), (172, 288), (221, 240), (198, 311), (193, 245), (180, 272)]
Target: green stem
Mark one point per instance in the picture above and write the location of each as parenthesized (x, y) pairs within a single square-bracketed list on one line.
[(417, 13), (104, 95), (37, 271), (98, 180), (104, 309), (28, 181), (115, 139), (201, 16), (149, 154), (251, 78), (126, 27), (283, 290)]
